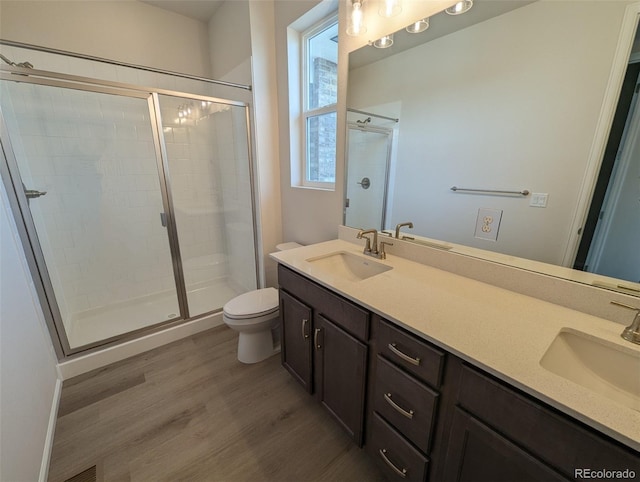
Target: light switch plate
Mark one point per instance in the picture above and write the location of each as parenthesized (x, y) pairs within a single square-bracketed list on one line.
[(539, 199), (488, 223)]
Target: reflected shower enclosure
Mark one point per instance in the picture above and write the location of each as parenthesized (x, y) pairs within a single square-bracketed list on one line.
[(368, 164), (138, 203)]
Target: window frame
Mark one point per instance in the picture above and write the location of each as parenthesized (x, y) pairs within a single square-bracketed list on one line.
[(305, 112)]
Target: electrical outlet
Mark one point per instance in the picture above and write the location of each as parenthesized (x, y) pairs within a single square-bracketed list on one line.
[(539, 200), (488, 223)]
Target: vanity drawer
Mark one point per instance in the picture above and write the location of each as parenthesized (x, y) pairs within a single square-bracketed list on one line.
[(411, 353), (406, 403), (340, 311), (394, 455)]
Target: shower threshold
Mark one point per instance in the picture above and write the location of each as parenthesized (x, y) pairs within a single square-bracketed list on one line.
[(106, 322)]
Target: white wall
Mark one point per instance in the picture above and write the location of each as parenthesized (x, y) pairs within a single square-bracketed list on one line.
[(500, 94), (128, 31), (230, 40), (266, 112), (28, 376)]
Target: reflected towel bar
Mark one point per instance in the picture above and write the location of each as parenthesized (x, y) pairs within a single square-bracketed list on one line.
[(524, 192)]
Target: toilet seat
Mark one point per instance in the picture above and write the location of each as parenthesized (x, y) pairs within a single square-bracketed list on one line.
[(253, 304)]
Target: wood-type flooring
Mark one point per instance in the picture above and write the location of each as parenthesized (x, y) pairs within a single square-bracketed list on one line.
[(190, 411)]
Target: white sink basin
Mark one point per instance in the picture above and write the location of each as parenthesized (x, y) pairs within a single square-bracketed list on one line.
[(348, 265), (609, 369)]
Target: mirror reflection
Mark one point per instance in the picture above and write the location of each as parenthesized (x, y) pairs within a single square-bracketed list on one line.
[(480, 130)]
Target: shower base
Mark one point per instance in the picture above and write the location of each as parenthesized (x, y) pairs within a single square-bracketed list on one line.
[(103, 323)]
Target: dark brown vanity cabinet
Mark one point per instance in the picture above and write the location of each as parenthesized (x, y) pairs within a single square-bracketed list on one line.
[(325, 347), (499, 434), (430, 415)]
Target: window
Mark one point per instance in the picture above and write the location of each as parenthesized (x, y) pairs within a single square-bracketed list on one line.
[(319, 97)]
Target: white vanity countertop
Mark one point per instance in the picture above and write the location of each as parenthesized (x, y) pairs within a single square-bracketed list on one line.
[(500, 331)]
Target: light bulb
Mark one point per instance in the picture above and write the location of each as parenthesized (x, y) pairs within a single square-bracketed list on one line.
[(356, 25), (384, 42), (419, 26), (390, 8), (460, 7)]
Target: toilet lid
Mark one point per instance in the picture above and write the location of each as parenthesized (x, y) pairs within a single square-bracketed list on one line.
[(254, 303)]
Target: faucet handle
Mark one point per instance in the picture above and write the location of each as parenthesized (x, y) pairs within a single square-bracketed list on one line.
[(632, 332), (383, 254)]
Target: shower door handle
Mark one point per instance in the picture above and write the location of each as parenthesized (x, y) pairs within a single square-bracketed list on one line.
[(33, 194), (163, 219)]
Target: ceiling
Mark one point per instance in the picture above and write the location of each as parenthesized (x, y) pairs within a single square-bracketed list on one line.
[(201, 10)]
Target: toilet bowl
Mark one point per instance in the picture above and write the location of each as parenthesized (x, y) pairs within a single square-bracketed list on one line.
[(255, 315)]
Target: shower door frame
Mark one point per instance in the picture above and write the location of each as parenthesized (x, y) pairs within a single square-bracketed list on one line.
[(378, 130), (19, 203)]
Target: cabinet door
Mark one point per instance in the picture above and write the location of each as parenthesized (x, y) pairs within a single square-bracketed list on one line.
[(296, 329), (341, 365), (476, 453)]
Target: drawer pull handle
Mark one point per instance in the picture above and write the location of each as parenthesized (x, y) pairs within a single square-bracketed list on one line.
[(398, 408), (305, 335), (402, 473), (315, 338), (404, 356)]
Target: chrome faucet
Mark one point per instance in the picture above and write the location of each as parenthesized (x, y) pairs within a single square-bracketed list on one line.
[(371, 248), (408, 224), (632, 332)]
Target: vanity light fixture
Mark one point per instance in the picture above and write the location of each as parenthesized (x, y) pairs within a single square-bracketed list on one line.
[(384, 42), (460, 7), (355, 21), (390, 8), (419, 26)]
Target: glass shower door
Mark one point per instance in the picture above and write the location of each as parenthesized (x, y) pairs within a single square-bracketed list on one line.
[(207, 152), (87, 161)]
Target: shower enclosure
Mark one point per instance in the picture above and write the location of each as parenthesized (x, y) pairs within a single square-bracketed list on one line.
[(368, 159), (136, 203)]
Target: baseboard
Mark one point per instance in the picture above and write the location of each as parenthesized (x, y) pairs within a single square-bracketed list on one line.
[(51, 430), (98, 359)]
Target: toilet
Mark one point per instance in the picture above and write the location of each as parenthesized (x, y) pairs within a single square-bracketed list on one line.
[(255, 315)]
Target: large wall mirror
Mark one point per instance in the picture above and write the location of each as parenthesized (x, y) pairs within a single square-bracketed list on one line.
[(511, 104)]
